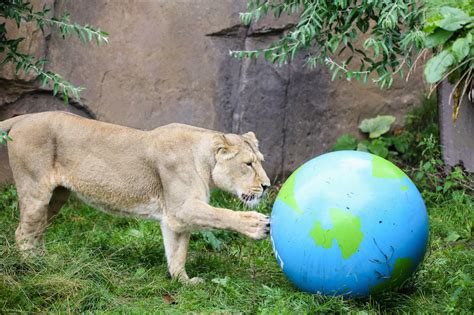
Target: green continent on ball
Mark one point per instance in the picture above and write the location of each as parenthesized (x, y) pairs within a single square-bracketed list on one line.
[(401, 272), (382, 168), (287, 193), (346, 231)]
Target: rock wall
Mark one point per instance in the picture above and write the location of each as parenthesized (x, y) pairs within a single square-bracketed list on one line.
[(168, 61), (456, 137)]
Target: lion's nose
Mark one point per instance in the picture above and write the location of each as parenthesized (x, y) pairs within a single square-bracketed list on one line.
[(265, 187)]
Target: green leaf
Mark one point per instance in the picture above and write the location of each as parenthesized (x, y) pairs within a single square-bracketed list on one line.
[(65, 97), (427, 166), (402, 144), (18, 67), (453, 18), (44, 80), (55, 89), (461, 47), (333, 43), (437, 38), (378, 147), (136, 233), (345, 142), (447, 185), (212, 240), (140, 272), (363, 24), (334, 74), (4, 137), (349, 75), (377, 126), (438, 65), (452, 237), (419, 175), (430, 23), (268, 54), (363, 146), (221, 281)]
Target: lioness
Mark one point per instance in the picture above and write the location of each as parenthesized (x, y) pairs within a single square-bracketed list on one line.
[(164, 174)]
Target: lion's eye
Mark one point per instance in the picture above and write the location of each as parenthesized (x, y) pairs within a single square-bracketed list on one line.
[(248, 164)]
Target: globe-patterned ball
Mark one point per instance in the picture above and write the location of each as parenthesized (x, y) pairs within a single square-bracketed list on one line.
[(349, 223)]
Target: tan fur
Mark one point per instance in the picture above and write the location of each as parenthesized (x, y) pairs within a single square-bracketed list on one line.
[(165, 174)]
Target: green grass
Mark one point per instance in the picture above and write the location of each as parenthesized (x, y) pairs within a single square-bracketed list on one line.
[(97, 262)]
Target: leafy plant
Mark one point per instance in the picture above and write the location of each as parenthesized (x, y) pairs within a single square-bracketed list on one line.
[(345, 142), (415, 147), (22, 11), (212, 240), (4, 137), (449, 30), (375, 127), (325, 29), (398, 34), (431, 172)]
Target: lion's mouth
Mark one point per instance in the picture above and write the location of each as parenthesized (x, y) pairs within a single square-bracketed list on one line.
[(250, 199)]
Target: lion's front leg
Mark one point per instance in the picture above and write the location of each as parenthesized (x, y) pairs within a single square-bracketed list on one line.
[(199, 214), (196, 214), (176, 249)]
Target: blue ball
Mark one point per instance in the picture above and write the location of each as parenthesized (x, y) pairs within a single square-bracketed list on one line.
[(349, 223)]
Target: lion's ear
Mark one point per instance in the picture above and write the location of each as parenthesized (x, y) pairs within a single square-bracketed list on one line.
[(223, 148), (251, 137)]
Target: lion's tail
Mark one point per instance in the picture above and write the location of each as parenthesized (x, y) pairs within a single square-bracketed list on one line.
[(7, 125)]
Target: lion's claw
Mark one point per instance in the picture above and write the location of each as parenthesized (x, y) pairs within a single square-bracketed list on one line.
[(256, 225)]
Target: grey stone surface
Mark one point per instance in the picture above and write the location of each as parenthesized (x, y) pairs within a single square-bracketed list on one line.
[(168, 61), (457, 137), (261, 106)]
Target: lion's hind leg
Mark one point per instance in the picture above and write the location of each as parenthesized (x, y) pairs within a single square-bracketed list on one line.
[(34, 208), (33, 158)]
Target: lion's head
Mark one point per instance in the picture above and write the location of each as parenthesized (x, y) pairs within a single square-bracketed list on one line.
[(238, 168)]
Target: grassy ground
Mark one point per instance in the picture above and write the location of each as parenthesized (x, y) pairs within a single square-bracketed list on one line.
[(95, 261)]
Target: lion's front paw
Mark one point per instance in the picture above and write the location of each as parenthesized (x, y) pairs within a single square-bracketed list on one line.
[(183, 278), (255, 225), (191, 281)]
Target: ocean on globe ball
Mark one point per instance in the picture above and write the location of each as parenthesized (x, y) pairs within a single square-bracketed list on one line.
[(349, 223)]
